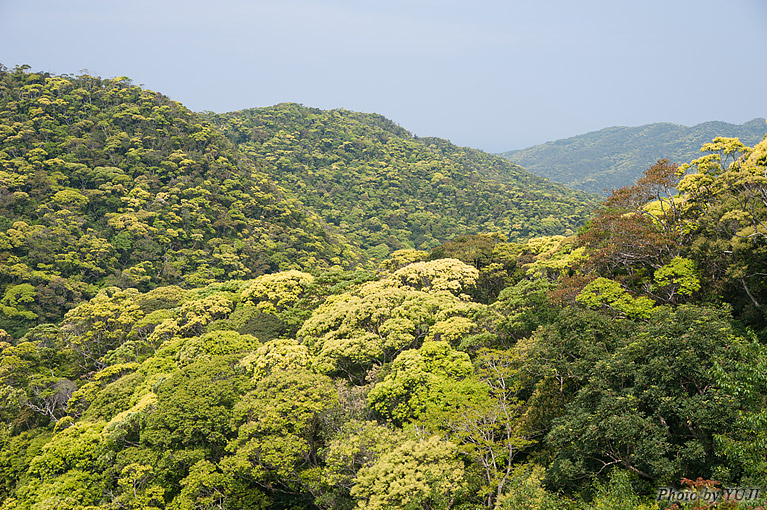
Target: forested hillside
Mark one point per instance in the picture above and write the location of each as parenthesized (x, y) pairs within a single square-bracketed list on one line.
[(387, 190), (614, 157), (104, 183), (580, 371), (107, 184)]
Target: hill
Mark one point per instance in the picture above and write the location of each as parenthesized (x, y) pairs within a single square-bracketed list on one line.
[(386, 189), (615, 157), (104, 183)]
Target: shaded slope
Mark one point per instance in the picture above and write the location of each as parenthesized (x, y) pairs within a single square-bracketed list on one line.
[(386, 189), (615, 157)]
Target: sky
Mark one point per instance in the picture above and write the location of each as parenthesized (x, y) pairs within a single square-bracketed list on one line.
[(489, 74)]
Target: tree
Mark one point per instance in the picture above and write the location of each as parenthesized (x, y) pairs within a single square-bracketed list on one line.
[(356, 445), (401, 258), (652, 405), (194, 407), (728, 194), (640, 227), (203, 488), (49, 396), (100, 325), (278, 432), (135, 490), (486, 423), (275, 292), (524, 491), (276, 356), (676, 280), (521, 308), (744, 378), (603, 293), (368, 326), (450, 275), (419, 473), (14, 306), (427, 378)]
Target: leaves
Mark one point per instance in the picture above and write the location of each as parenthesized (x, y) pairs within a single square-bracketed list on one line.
[(421, 473), (387, 190)]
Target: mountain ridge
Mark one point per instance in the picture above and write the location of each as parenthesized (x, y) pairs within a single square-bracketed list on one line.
[(616, 156), (423, 189)]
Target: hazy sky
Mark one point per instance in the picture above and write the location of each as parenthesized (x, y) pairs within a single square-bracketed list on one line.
[(495, 75)]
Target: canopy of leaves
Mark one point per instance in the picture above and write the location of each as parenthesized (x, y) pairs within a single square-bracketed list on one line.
[(387, 190), (574, 372), (105, 183)]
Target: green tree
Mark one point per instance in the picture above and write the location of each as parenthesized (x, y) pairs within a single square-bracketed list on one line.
[(419, 473), (136, 490), (278, 433), (370, 325), (356, 445), (676, 280), (194, 407), (275, 356), (607, 294), (726, 192), (429, 377), (100, 325), (275, 292), (744, 442), (651, 405)]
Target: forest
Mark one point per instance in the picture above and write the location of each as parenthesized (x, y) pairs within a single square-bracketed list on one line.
[(292, 308), (387, 190)]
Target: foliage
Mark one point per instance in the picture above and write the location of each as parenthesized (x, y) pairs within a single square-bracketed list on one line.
[(677, 279), (618, 494), (195, 406), (525, 491), (401, 258), (651, 406), (387, 190), (277, 355), (422, 378), (522, 307), (274, 292), (278, 430), (358, 444), (745, 441), (495, 260), (728, 196), (419, 473), (352, 332), (449, 275), (148, 362), (105, 183), (608, 294)]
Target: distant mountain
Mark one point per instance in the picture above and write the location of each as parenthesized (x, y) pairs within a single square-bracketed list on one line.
[(386, 189), (615, 157)]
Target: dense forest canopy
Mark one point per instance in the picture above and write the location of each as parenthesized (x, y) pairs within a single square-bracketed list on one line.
[(579, 370), (104, 183), (107, 184), (386, 189)]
